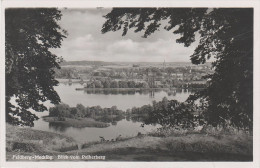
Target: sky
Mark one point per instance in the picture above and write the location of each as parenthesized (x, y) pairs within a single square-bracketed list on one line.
[(86, 42)]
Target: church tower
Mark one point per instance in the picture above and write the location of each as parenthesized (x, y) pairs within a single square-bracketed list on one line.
[(164, 65)]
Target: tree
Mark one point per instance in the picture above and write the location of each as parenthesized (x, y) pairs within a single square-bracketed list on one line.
[(225, 34), (98, 84), (169, 113), (145, 85), (91, 85), (114, 84), (106, 83), (60, 110), (131, 84), (29, 64), (73, 112), (122, 84), (81, 110), (113, 110)]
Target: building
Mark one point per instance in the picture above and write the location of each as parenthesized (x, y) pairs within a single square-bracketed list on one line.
[(164, 65), (177, 76)]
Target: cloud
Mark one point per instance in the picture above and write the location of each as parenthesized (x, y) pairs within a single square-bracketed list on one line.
[(80, 42), (85, 41), (123, 46), (153, 50), (85, 48)]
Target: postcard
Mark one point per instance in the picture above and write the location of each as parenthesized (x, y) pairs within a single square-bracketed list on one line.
[(129, 84)]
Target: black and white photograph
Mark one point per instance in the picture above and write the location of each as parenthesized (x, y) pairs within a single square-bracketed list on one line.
[(129, 84)]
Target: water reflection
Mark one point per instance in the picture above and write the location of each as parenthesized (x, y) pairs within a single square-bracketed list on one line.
[(170, 92), (137, 118), (151, 94), (123, 127), (58, 127), (123, 99), (112, 120)]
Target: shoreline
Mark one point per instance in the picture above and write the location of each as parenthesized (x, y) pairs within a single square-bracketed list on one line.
[(77, 123), (61, 80), (124, 89)]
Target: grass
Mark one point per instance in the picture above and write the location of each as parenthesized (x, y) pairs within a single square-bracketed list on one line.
[(137, 154), (168, 145), (210, 144), (26, 141), (16, 137), (78, 123), (189, 147)]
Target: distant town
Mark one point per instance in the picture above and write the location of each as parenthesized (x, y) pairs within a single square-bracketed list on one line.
[(99, 74)]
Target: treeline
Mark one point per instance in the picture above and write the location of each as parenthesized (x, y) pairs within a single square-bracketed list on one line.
[(168, 113), (140, 111), (63, 111), (66, 73), (165, 112), (108, 83)]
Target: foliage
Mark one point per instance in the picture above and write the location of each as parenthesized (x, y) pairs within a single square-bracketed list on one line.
[(60, 110), (63, 110), (66, 73), (29, 64), (171, 113), (225, 34), (166, 113), (108, 83)]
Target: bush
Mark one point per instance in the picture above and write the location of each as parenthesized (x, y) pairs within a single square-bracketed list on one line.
[(23, 147)]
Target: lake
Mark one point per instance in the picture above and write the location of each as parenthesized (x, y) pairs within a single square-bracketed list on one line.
[(104, 98)]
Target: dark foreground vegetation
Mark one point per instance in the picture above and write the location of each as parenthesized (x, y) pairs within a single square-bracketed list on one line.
[(165, 144), (225, 34)]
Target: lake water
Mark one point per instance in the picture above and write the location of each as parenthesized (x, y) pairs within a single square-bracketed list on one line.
[(122, 99)]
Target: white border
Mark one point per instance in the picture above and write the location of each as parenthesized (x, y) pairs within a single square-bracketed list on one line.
[(136, 3), (129, 3)]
